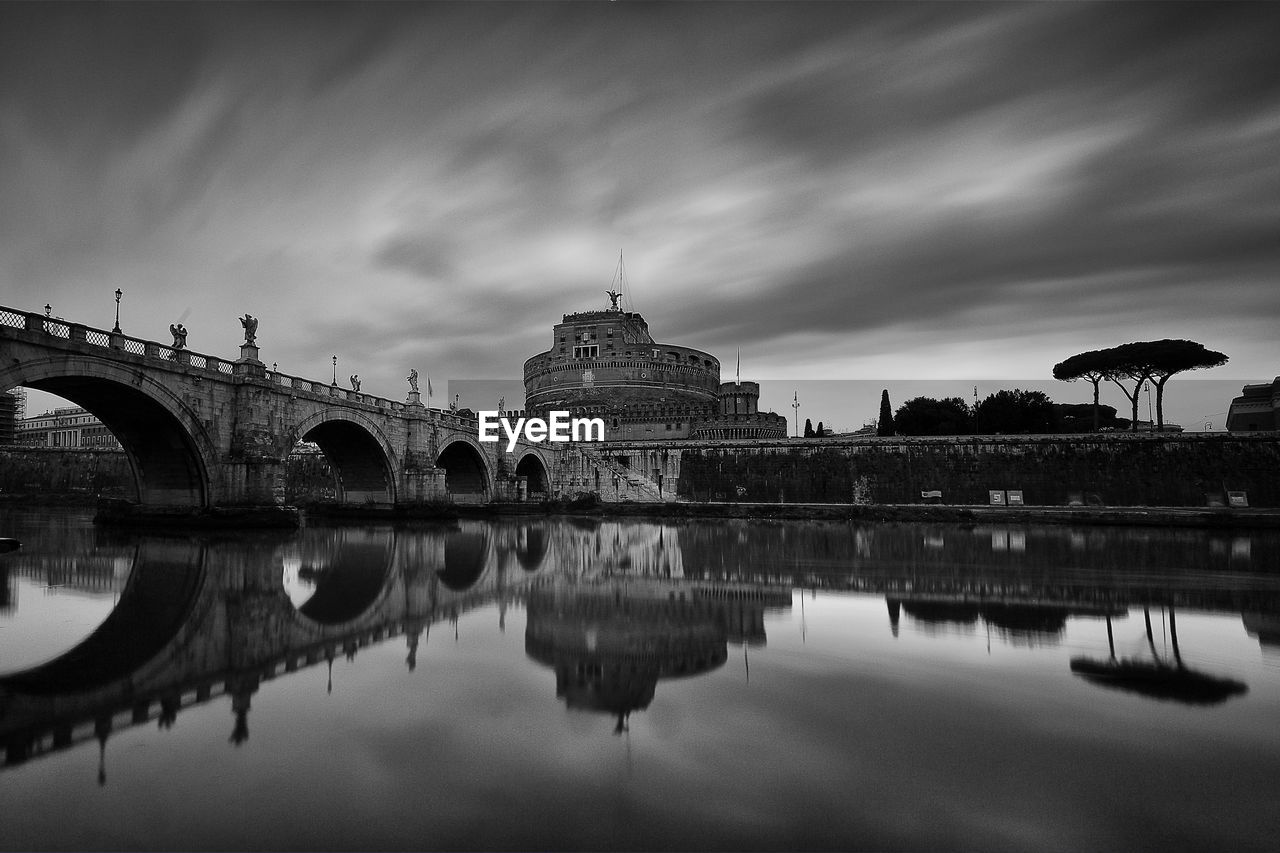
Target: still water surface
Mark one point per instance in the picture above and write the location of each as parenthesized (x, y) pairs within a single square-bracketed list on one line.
[(577, 684)]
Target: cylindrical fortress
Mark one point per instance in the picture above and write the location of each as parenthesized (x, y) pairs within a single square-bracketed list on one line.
[(606, 364)]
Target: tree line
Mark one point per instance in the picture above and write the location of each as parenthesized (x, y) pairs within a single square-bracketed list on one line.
[(1024, 412), (1144, 361)]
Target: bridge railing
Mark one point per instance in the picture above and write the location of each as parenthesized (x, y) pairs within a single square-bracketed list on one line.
[(59, 328)]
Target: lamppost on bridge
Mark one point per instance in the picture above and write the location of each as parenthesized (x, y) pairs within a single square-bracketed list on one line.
[(335, 370), (795, 404), (119, 293)]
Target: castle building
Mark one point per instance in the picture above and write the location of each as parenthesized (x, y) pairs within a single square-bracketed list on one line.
[(606, 364)]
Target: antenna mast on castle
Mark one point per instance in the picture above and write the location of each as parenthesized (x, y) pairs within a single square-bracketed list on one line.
[(620, 282)]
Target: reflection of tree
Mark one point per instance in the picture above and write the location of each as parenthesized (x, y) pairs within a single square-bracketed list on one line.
[(1157, 679), (1029, 624)]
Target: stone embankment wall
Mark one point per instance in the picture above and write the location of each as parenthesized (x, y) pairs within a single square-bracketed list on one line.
[(60, 473), (1102, 469), (38, 471)]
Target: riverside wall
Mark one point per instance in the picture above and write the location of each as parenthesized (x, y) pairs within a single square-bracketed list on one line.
[(34, 472), (1104, 469), (1109, 469), (68, 473)]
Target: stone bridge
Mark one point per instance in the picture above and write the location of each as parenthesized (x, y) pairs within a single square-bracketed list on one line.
[(201, 431)]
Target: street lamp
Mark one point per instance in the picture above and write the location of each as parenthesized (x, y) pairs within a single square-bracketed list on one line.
[(119, 293), (335, 370), (795, 404)]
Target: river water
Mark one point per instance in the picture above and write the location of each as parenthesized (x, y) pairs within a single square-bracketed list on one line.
[(572, 683)]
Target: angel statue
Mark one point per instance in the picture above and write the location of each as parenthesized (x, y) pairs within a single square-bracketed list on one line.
[(179, 333), (413, 380), (614, 296), (250, 324), (355, 382)]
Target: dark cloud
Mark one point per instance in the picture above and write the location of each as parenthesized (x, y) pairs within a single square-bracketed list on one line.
[(442, 181)]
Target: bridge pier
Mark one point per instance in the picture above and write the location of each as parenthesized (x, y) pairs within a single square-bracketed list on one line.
[(254, 482)]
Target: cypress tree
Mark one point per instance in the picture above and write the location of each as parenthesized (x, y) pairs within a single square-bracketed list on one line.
[(885, 425), (808, 428)]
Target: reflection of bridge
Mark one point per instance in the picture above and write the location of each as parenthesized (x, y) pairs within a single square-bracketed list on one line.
[(202, 431), (199, 619)]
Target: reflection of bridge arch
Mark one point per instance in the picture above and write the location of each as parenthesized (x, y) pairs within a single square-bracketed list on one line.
[(153, 609), (534, 469), (466, 556), (466, 471), (168, 449), (531, 546), (349, 581), (357, 451)]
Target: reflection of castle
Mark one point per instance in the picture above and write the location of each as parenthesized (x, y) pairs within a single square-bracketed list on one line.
[(605, 364), (611, 640)]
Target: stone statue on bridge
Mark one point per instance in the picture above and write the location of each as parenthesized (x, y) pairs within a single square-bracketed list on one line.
[(413, 380), (355, 382), (179, 333), (250, 324)]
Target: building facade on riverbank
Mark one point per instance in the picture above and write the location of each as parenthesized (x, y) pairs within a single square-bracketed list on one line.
[(70, 427), (606, 364)]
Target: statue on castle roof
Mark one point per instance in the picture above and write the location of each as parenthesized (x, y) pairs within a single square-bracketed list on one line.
[(250, 324), (614, 296), (412, 379)]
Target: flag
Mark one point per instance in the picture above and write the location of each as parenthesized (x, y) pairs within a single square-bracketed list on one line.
[(428, 386)]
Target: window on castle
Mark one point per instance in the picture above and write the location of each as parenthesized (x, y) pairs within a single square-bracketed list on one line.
[(586, 351)]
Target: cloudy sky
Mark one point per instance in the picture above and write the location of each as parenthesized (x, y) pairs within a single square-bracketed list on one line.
[(845, 191)]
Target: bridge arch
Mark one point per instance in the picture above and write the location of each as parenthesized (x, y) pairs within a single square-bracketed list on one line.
[(467, 477), (536, 473), (358, 452), (171, 454)]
